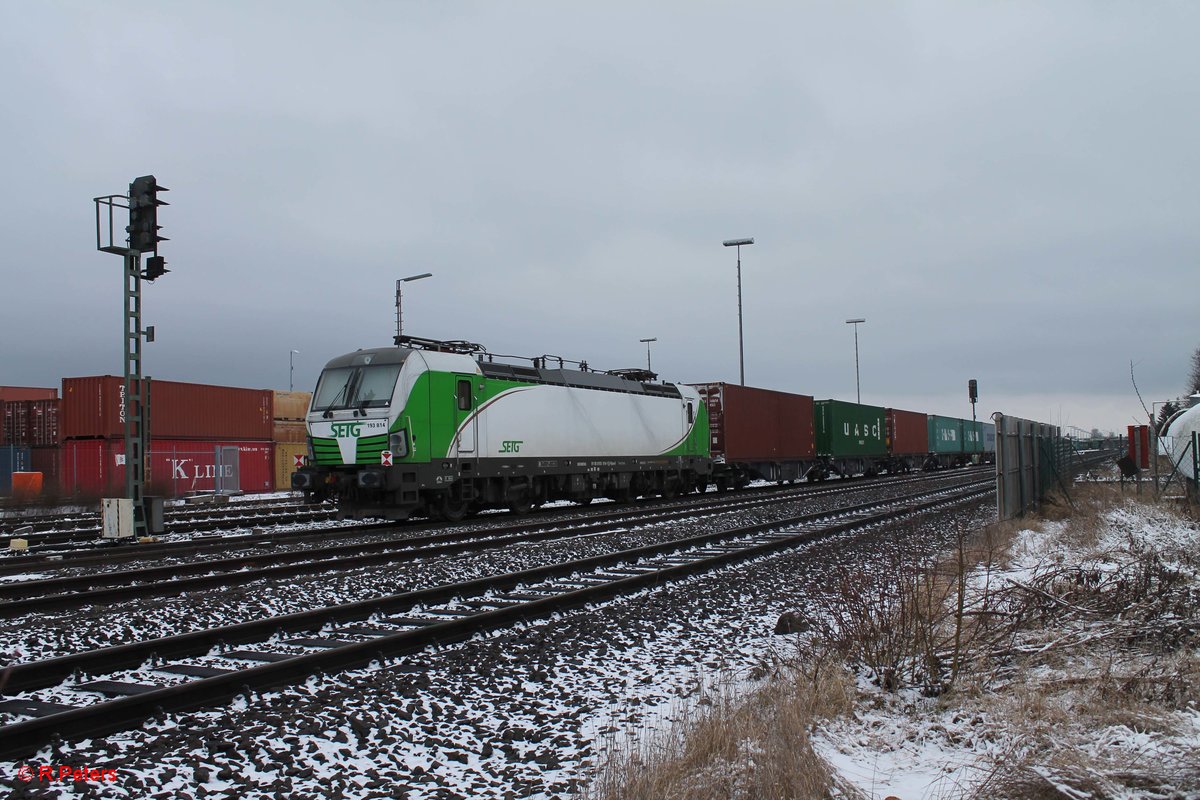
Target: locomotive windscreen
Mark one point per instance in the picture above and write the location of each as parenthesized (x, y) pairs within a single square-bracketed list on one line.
[(368, 386)]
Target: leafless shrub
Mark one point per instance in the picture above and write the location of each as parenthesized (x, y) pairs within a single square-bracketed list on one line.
[(918, 622), (729, 746)]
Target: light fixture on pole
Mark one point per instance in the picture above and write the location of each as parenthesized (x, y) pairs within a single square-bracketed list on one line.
[(741, 350), (857, 385), (647, 343), (399, 313), (292, 369)]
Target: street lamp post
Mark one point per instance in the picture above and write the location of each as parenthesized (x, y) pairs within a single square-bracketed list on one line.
[(292, 369), (647, 343), (857, 384), (741, 350), (399, 313)]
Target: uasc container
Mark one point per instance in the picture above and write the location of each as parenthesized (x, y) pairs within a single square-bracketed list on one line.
[(95, 408), (849, 429)]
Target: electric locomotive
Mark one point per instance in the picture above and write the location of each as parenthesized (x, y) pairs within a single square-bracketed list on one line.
[(443, 429)]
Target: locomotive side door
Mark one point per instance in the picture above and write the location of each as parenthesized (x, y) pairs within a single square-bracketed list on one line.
[(464, 412)]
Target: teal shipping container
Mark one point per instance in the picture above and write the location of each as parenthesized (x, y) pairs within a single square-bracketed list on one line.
[(945, 434), (972, 436), (849, 429)]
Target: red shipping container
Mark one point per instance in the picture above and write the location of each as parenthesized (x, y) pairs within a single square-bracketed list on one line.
[(96, 467), (749, 424), (31, 423), (46, 461), (95, 408), (14, 393), (1139, 445), (907, 432), (14, 420)]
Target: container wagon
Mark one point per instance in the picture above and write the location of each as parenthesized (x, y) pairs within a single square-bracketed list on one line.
[(851, 439), (907, 440), (954, 442), (758, 434)]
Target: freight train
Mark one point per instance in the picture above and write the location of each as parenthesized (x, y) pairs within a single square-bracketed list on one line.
[(442, 429)]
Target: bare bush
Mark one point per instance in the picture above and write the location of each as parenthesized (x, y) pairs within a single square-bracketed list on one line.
[(732, 746)]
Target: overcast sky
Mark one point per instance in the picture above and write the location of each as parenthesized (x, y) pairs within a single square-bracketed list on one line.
[(1005, 191)]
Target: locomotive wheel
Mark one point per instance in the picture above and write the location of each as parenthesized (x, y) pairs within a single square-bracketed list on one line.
[(453, 510), (521, 504)]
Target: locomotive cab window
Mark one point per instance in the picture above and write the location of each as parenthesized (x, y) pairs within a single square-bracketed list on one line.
[(464, 395), (690, 416)]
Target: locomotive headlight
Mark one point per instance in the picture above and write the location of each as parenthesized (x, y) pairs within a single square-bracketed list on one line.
[(398, 443)]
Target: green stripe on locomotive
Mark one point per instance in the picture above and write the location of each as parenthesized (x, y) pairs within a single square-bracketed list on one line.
[(430, 428)]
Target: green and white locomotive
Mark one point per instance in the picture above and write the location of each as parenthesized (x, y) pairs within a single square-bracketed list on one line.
[(444, 430)]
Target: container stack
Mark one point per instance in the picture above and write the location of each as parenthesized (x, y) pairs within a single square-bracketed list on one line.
[(28, 434), (202, 438), (290, 434)]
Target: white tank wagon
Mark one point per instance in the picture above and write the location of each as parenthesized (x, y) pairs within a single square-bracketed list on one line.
[(1177, 439)]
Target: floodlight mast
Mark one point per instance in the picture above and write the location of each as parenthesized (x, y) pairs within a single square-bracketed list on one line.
[(857, 384), (738, 243)]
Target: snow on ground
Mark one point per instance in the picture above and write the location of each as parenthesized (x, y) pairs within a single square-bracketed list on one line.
[(908, 746), (521, 712)]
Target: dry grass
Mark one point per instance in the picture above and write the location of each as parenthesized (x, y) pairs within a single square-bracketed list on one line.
[(730, 746)]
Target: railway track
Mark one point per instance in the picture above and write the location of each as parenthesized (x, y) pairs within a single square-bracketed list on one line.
[(51, 531), (106, 553), (60, 702), (108, 586)]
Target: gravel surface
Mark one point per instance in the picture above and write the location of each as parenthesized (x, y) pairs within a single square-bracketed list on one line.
[(47, 634), (520, 713)]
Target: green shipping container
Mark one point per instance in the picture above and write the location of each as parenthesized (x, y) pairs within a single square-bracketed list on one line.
[(849, 429), (972, 436), (945, 434)]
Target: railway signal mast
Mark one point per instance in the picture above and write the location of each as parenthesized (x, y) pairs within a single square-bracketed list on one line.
[(129, 518)]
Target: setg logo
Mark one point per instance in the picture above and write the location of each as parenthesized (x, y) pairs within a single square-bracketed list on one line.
[(511, 446), (344, 430)]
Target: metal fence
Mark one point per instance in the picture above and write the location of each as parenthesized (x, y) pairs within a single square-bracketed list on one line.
[(1031, 459)]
